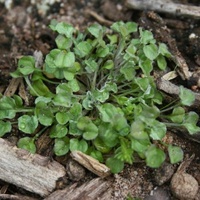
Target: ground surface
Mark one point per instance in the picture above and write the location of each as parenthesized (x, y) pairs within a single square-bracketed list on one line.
[(24, 29)]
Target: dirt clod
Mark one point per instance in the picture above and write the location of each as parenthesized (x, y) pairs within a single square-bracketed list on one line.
[(74, 170)]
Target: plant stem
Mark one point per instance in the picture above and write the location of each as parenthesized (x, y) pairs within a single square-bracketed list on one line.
[(168, 124), (29, 84), (40, 132), (170, 108), (164, 109)]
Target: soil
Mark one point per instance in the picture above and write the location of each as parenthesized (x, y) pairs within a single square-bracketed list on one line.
[(24, 29)]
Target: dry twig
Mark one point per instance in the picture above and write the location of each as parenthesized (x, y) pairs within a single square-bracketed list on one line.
[(165, 6)]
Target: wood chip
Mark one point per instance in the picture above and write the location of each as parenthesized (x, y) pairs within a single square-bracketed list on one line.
[(31, 172), (165, 6), (12, 87), (95, 189), (99, 18), (91, 164)]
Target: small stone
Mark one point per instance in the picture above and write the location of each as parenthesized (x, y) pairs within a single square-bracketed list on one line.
[(158, 194), (184, 186), (164, 173)]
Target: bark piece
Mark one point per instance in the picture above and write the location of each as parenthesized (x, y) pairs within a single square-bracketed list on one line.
[(15, 197), (91, 164), (32, 172), (165, 6), (95, 189), (12, 87), (173, 89)]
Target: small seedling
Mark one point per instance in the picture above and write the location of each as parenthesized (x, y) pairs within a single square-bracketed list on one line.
[(95, 93)]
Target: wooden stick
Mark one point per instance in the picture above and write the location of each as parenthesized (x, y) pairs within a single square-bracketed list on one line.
[(99, 18), (32, 172), (95, 189), (165, 6), (91, 164)]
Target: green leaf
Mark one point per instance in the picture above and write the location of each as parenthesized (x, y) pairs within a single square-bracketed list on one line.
[(124, 28), (63, 42), (44, 114), (102, 52), (190, 122), (62, 100), (91, 65), (27, 143), (143, 83), (117, 26), (58, 131), (83, 49), (7, 107), (115, 165), (110, 86), (61, 146), (192, 128), (88, 101), (128, 71), (62, 117), (101, 146), (187, 97), (53, 24), (178, 115), (79, 145), (175, 154), (132, 27), (65, 29), (146, 66), (68, 75), (64, 59), (97, 155), (40, 88), (140, 146), (154, 157), (27, 124), (108, 112), (100, 95), (109, 64), (50, 66), (90, 135), (73, 129), (108, 135), (120, 125), (5, 127), (113, 38), (131, 50), (163, 50), (151, 51), (146, 36), (42, 99), (149, 112), (90, 130), (157, 130), (75, 111), (74, 85), (95, 29), (124, 152), (26, 65), (18, 101), (161, 61), (138, 130)]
